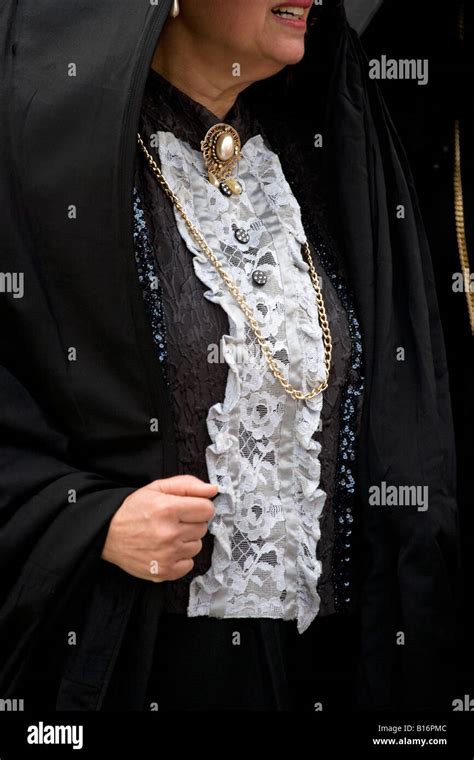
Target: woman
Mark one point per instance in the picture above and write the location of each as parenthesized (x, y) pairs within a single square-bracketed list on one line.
[(160, 500)]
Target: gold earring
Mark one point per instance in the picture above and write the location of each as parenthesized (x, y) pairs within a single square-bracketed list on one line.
[(174, 9)]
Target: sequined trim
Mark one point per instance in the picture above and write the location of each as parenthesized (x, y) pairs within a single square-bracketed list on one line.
[(148, 279), (343, 500)]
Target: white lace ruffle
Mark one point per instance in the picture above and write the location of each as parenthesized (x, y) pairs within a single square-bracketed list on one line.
[(262, 455)]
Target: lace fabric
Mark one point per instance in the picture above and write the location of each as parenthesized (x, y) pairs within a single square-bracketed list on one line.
[(262, 452)]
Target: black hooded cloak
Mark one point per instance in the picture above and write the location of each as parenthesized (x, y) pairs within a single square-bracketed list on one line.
[(76, 436)]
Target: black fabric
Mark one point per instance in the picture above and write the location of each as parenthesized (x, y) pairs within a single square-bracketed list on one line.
[(396, 298), (427, 127), (70, 429), (83, 425), (244, 664)]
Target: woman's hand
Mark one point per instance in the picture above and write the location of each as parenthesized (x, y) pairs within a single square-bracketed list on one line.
[(158, 528)]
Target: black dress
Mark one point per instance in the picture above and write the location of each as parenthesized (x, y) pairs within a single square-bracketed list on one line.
[(211, 663)]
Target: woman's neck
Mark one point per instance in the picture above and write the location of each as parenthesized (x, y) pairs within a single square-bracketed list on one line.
[(194, 72)]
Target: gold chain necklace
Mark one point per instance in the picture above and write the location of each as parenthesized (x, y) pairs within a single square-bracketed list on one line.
[(460, 225), (231, 285), (459, 202)]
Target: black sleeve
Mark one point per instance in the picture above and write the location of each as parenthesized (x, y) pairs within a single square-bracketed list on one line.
[(53, 523)]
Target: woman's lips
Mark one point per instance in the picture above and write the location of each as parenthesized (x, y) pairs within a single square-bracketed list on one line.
[(296, 23), (290, 15)]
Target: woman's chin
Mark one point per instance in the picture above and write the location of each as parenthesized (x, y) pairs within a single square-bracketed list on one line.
[(288, 53)]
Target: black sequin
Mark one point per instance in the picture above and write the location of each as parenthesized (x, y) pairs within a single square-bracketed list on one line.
[(343, 501), (148, 280)]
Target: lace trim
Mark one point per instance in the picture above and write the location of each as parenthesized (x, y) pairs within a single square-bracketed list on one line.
[(262, 455)]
